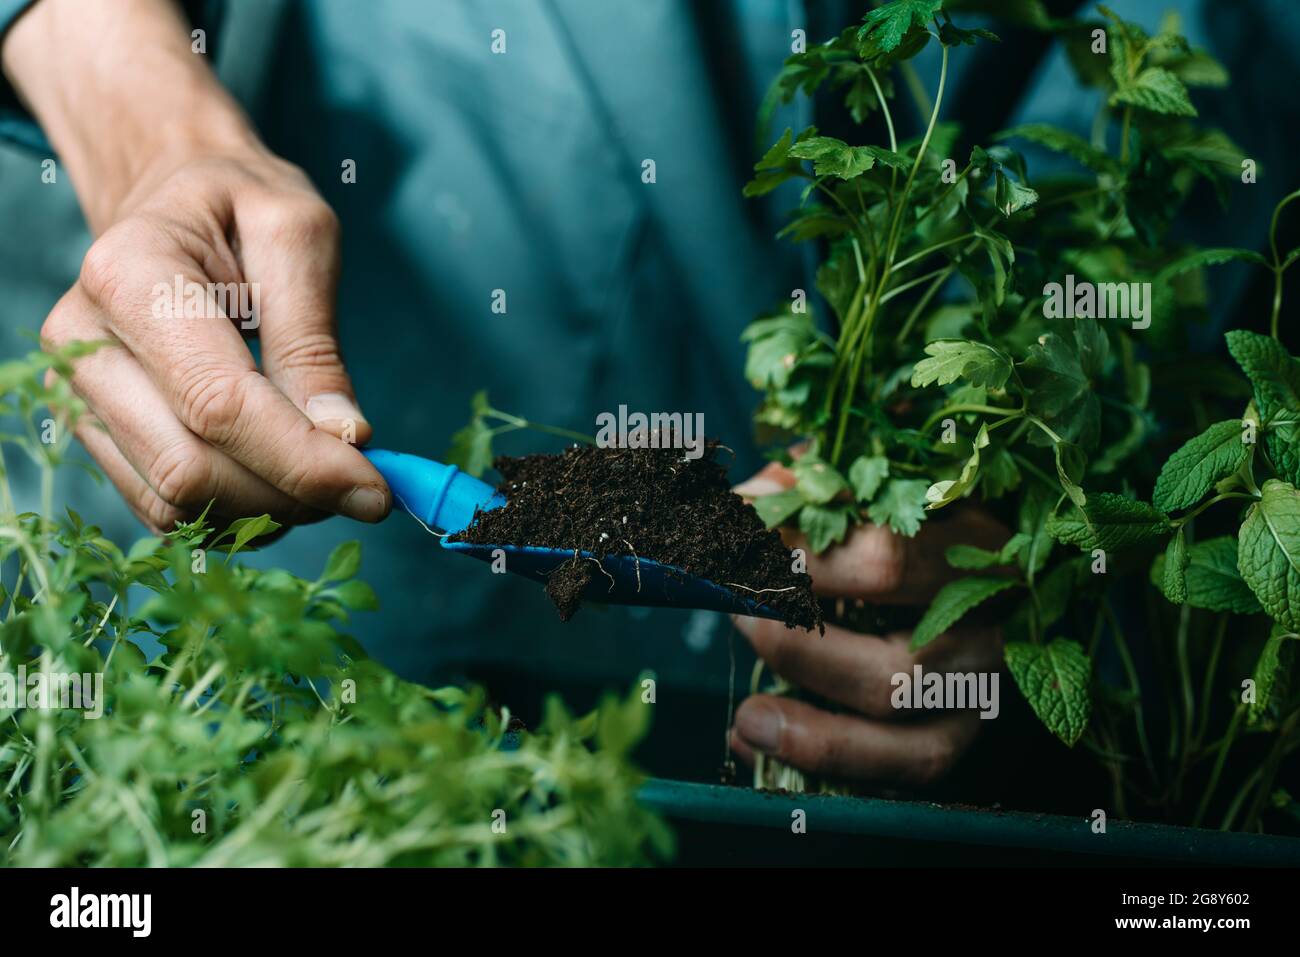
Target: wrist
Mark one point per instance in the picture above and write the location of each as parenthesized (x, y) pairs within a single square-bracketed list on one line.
[(120, 95)]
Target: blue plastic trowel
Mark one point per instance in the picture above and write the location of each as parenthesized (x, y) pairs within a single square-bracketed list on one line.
[(443, 499)]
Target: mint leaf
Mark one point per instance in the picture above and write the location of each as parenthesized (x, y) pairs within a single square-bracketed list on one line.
[(1011, 197), (1276, 656), (1054, 680), (952, 359), (1109, 522), (1173, 581), (1207, 257), (1192, 471), (866, 475), (824, 525), (953, 601), (970, 557), (1211, 577), (900, 505), (1268, 552), (1275, 379), (885, 27)]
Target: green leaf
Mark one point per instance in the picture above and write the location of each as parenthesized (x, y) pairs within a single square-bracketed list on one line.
[(1059, 374), (948, 491), (1070, 466), (343, 563), (1211, 577), (1192, 471), (471, 448), (1063, 141), (824, 525), (1158, 90), (1109, 522), (1011, 197), (866, 475), (1275, 657), (885, 27), (818, 481), (1173, 581), (776, 345), (144, 548), (999, 474), (247, 529), (766, 181), (355, 595), (1207, 257), (900, 505), (834, 157), (778, 153), (776, 508), (1268, 552), (970, 557), (1054, 680), (950, 359), (951, 35), (953, 601), (1275, 379)]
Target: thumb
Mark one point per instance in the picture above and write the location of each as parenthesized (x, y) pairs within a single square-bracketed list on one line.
[(771, 478)]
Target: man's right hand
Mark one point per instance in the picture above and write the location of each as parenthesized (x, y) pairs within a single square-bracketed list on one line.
[(181, 192)]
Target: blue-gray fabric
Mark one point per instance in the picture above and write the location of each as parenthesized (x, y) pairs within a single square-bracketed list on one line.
[(522, 171)]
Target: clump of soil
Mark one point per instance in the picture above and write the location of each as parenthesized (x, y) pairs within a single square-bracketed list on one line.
[(651, 503)]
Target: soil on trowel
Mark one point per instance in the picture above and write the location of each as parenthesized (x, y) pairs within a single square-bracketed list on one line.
[(650, 503)]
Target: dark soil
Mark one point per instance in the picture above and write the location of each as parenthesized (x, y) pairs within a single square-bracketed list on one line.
[(652, 503)]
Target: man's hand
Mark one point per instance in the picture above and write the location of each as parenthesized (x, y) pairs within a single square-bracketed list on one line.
[(182, 194), (875, 742)]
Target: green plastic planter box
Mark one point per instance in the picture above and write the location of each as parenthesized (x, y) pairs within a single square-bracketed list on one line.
[(736, 826)]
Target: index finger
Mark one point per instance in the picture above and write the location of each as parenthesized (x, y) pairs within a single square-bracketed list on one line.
[(210, 380)]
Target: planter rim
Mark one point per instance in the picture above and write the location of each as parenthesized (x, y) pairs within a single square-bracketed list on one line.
[(925, 821)]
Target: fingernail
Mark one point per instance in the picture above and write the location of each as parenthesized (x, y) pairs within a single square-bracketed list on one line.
[(757, 487), (333, 406), (760, 725), (365, 504)]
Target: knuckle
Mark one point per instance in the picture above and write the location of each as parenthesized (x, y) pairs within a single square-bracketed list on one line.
[(300, 483), (935, 761), (55, 330), (181, 475), (212, 405), (157, 514), (307, 221), (102, 275), (308, 351)]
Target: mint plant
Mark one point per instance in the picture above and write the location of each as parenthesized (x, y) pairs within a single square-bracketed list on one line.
[(261, 735), (950, 368)]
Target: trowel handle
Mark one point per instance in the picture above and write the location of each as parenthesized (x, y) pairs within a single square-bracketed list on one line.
[(441, 496)]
